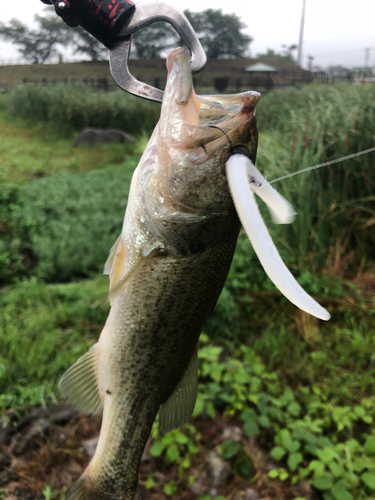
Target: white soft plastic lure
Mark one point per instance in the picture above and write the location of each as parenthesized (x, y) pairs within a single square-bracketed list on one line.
[(245, 180)]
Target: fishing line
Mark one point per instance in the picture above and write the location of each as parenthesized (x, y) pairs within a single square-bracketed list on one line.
[(225, 133), (320, 165)]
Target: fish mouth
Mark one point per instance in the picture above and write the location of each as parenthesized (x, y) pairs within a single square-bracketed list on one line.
[(193, 116), (221, 123)]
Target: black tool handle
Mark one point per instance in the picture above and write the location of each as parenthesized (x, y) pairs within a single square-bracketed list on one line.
[(104, 19)]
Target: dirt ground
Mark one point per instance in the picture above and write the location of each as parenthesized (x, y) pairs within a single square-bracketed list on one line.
[(52, 446)]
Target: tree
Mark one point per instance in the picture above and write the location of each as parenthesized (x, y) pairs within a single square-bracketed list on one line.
[(286, 55), (220, 34), (39, 44), (152, 40), (84, 43), (35, 45)]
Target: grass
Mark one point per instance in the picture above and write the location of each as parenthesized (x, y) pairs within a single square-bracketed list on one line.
[(30, 150), (73, 106), (282, 371), (335, 205), (57, 323)]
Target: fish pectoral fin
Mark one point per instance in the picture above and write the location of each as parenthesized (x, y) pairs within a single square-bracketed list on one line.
[(111, 257), (116, 282), (80, 383), (177, 410)]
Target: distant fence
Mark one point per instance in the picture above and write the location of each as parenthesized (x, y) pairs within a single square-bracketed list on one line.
[(19, 61), (219, 84), (13, 62)]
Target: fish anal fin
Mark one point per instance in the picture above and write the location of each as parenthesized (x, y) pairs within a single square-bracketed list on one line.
[(177, 410), (80, 384)]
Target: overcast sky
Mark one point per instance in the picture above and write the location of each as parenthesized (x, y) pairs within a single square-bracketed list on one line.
[(336, 31)]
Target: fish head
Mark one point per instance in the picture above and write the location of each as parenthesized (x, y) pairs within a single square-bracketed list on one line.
[(194, 136)]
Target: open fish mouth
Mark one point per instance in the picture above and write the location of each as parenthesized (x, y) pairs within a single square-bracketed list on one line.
[(215, 125), (193, 117)]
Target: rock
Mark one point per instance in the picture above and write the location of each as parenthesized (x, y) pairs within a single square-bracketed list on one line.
[(94, 136), (36, 430), (270, 466), (63, 414), (4, 430), (60, 414), (199, 485), (146, 456), (219, 471), (90, 446), (159, 476), (234, 433), (4, 459), (250, 494), (196, 488), (305, 490)]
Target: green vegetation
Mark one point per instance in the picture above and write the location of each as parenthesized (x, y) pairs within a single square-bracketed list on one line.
[(304, 388), (65, 224), (42, 327), (75, 106), (335, 205)]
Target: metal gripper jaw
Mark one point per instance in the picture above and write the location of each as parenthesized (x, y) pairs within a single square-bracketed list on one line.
[(145, 14)]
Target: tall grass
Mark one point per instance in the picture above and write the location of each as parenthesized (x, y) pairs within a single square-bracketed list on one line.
[(76, 106), (336, 204)]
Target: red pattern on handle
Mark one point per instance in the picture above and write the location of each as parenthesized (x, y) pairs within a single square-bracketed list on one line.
[(102, 18)]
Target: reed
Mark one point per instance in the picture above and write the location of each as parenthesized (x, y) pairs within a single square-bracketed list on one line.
[(336, 204)]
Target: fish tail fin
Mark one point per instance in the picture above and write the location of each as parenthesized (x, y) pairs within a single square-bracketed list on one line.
[(87, 489)]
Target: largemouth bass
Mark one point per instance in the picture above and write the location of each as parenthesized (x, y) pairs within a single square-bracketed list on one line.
[(166, 270)]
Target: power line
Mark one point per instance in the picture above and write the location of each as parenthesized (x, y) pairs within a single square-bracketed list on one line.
[(328, 54)]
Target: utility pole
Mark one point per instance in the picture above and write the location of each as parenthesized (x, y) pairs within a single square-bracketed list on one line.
[(300, 40), (367, 57), (310, 63)]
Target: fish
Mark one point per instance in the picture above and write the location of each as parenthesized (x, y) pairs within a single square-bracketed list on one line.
[(166, 270)]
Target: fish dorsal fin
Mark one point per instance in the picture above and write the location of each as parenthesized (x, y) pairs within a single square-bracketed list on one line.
[(111, 257), (80, 383), (177, 410)]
